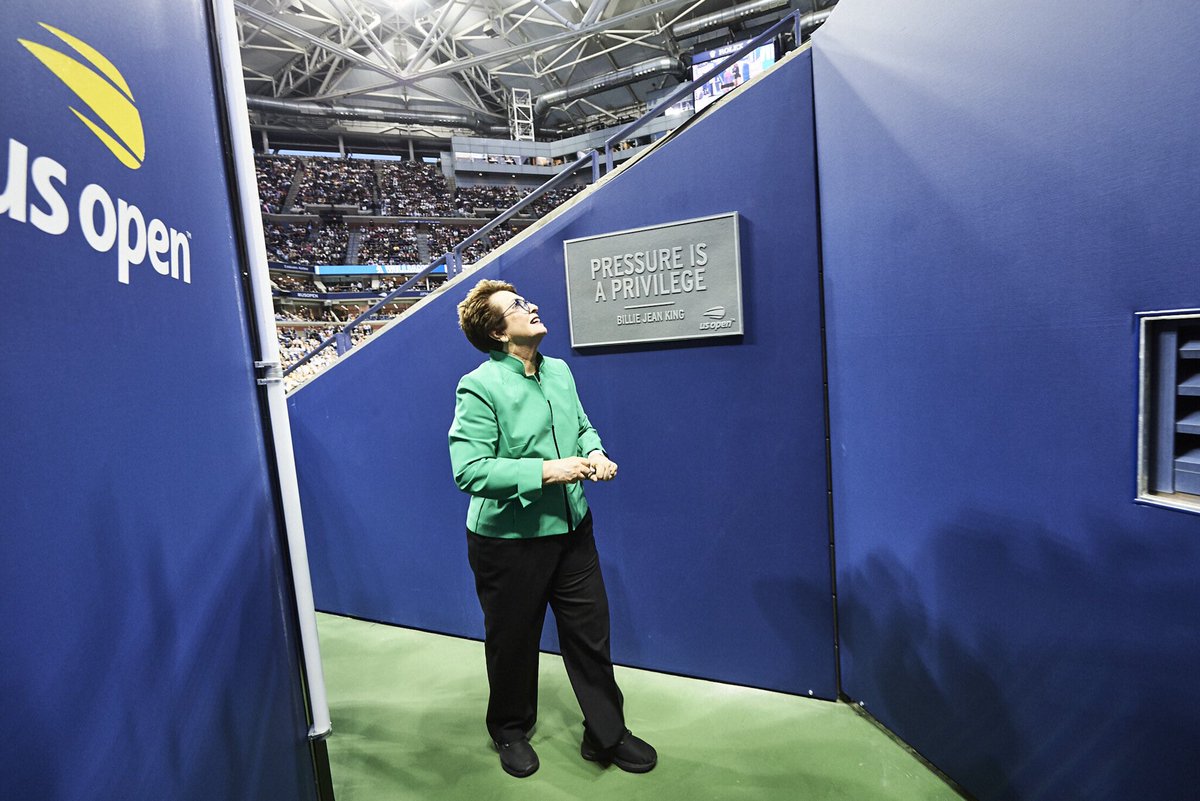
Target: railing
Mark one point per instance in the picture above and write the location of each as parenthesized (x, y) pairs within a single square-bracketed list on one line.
[(342, 337), (453, 259), (454, 268)]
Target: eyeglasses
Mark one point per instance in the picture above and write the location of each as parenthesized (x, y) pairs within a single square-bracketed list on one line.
[(519, 303)]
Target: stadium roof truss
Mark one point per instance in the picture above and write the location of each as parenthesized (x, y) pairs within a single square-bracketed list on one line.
[(463, 58)]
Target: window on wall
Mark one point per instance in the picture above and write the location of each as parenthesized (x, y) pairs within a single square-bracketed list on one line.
[(1169, 417)]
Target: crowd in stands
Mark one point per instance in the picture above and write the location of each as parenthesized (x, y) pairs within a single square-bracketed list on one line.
[(390, 189), (443, 238), (339, 312), (292, 283), (299, 312), (333, 285), (500, 234), (490, 241), (314, 313), (285, 240), (406, 188), (345, 312), (341, 182), (314, 243), (295, 341), (426, 284), (346, 284), (488, 201), (392, 310), (384, 188), (275, 174), (389, 244), (555, 198), (413, 189)]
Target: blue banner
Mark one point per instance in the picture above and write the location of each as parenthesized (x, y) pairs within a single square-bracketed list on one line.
[(292, 268), (147, 651)]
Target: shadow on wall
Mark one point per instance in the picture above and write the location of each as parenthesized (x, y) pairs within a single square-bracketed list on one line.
[(1059, 626), (775, 597)]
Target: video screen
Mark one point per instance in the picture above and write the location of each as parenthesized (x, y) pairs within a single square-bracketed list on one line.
[(754, 63)]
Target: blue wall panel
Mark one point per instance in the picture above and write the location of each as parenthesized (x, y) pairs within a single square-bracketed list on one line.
[(714, 537), (1002, 188), (143, 645)]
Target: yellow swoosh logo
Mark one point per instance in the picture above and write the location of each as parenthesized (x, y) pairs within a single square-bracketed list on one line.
[(102, 89)]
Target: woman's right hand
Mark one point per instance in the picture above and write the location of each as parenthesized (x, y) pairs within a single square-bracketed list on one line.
[(566, 471)]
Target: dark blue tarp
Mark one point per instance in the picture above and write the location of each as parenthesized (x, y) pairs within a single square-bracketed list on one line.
[(145, 644)]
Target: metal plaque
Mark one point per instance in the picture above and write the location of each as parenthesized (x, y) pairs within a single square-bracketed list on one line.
[(680, 280)]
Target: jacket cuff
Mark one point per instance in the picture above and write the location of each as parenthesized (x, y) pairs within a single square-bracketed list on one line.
[(529, 481), (589, 443)]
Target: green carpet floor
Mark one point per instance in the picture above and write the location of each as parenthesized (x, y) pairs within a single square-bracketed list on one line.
[(408, 708)]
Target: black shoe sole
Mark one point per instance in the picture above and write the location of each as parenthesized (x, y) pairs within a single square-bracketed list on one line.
[(628, 767), (519, 774)]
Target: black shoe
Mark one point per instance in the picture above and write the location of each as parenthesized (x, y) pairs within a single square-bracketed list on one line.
[(632, 754), (517, 758)]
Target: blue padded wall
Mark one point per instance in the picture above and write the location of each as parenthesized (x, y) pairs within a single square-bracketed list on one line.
[(714, 537), (1002, 188), (145, 651)]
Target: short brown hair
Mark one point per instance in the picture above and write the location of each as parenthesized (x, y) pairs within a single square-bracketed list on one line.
[(478, 318)]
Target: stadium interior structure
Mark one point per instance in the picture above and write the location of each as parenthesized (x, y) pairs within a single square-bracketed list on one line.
[(945, 479), (385, 132)]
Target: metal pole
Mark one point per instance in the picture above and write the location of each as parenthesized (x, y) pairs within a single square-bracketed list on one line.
[(260, 282)]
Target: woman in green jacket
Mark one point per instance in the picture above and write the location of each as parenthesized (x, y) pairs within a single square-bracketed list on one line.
[(521, 446)]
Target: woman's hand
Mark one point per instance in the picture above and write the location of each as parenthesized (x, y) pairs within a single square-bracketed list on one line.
[(566, 471), (603, 468)]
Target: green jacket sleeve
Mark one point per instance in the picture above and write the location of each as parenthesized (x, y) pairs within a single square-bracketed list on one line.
[(474, 453), (588, 440)]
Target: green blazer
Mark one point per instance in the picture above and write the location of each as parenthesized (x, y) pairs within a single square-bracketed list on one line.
[(505, 425)]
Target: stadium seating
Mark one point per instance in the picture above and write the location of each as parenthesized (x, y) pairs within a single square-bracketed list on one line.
[(275, 175), (353, 189)]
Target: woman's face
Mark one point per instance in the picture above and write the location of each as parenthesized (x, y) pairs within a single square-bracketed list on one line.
[(522, 324)]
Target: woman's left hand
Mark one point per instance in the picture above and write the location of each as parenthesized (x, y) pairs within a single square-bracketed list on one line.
[(604, 469)]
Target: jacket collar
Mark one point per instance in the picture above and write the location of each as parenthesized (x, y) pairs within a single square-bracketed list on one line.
[(510, 362)]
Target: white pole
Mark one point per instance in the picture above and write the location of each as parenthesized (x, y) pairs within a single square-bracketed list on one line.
[(260, 283)]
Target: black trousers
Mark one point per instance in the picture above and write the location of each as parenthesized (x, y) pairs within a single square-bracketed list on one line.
[(516, 579)]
